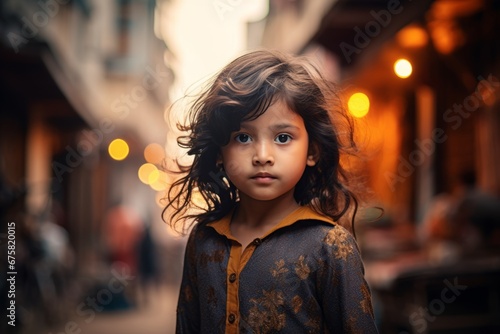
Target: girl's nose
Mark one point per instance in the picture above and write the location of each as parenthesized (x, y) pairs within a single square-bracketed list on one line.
[(263, 154)]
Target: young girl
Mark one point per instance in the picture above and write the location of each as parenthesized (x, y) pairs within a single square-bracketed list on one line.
[(266, 253)]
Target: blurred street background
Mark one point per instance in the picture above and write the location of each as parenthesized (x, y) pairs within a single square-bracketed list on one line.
[(87, 129)]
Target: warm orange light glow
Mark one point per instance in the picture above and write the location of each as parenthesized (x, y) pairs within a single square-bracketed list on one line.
[(358, 105), (403, 68), (154, 153), (148, 173), (412, 37), (118, 149)]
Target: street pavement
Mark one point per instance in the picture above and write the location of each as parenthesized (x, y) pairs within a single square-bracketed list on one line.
[(156, 316)]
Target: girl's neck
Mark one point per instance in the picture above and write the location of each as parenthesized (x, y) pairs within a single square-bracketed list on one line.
[(254, 213)]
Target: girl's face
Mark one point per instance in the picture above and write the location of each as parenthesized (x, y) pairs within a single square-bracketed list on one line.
[(266, 158)]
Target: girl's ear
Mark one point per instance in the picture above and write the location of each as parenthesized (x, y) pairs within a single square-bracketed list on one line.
[(312, 155), (218, 160)]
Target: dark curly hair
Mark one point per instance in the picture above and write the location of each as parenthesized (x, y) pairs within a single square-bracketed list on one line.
[(242, 91)]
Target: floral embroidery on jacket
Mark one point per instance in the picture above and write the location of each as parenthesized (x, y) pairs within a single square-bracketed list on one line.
[(267, 314)]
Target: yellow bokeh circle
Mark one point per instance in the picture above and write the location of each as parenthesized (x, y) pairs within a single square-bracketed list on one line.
[(358, 104), (118, 149), (148, 173)]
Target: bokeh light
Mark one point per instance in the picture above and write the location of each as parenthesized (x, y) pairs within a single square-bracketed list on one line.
[(413, 36), (154, 153), (358, 104), (161, 184), (148, 173), (403, 68), (118, 149)]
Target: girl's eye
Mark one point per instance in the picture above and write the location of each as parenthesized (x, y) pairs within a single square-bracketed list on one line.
[(283, 138), (242, 138)]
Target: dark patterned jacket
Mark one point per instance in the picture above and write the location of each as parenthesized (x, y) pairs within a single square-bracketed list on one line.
[(304, 276)]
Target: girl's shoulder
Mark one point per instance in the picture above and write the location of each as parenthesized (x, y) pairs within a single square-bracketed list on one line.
[(204, 240), (306, 216), (324, 234), (323, 228), (209, 230)]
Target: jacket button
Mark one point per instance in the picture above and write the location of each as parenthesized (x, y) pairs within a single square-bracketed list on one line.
[(231, 318), (257, 242), (232, 278)]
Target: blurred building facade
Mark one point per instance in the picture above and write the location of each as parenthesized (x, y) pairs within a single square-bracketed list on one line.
[(75, 75), (430, 147)]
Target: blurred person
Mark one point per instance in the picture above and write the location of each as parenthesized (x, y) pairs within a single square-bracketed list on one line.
[(477, 212), (437, 223), (54, 237), (54, 268), (439, 236), (461, 222), (121, 232), (269, 254), (44, 263), (147, 265)]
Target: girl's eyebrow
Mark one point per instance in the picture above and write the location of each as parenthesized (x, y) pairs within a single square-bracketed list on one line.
[(283, 126), (275, 127)]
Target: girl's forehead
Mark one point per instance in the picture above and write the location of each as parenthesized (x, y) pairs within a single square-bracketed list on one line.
[(278, 113)]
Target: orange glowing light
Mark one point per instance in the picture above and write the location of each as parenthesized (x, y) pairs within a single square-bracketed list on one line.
[(154, 153), (412, 37)]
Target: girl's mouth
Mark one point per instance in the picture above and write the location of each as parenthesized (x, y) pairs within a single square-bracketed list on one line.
[(263, 177)]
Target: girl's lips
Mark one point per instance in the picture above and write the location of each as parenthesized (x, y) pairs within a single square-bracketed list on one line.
[(263, 177)]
